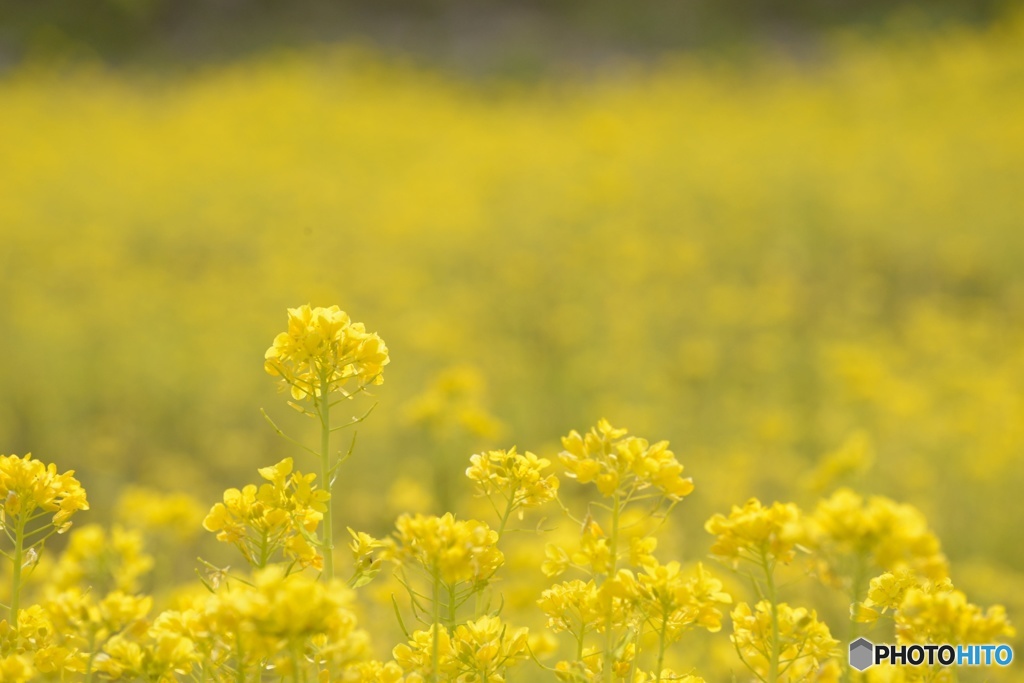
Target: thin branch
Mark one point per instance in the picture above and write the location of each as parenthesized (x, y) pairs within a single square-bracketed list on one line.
[(281, 433)]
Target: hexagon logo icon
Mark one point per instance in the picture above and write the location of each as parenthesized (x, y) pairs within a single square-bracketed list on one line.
[(862, 654)]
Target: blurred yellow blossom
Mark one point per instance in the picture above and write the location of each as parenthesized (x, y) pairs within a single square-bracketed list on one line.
[(175, 513), (804, 644), (756, 533), (615, 461)]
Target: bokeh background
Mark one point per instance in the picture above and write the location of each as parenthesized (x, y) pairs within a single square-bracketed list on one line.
[(786, 236)]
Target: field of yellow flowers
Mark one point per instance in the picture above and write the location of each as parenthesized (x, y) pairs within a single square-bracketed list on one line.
[(333, 358)]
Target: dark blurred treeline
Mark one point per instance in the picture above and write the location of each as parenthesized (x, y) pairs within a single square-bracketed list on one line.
[(518, 37)]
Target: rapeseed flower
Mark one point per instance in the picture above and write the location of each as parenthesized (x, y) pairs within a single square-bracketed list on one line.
[(756, 533), (27, 485), (804, 644), (617, 462), (458, 550), (323, 351)]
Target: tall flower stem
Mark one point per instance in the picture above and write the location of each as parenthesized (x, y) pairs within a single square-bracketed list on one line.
[(19, 560), (661, 646), (324, 410), (772, 595), (609, 635), (435, 656)]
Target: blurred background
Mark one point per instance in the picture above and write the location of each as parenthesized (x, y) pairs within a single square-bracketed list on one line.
[(785, 236)]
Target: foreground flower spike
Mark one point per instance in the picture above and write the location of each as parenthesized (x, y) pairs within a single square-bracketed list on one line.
[(30, 491), (326, 358)]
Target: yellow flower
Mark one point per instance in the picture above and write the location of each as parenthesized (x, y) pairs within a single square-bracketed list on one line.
[(99, 559), (641, 549), (323, 351), (117, 610), (460, 550), (617, 462), (417, 655), (453, 406), (928, 611), (177, 514), (517, 477), (756, 533), (486, 647), (571, 606), (279, 516), (804, 643), (556, 560), (16, 669), (680, 602), (845, 529), (26, 485)]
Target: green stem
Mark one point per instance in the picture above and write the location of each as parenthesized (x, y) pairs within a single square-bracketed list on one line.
[(609, 637), (637, 637), (661, 647), (324, 409), (240, 673), (264, 550), (508, 513), (773, 665), (92, 655), (857, 585), (296, 659), (436, 653), (19, 559), (451, 607)]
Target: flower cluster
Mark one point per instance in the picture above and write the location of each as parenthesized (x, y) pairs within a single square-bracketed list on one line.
[(97, 559), (177, 515), (323, 351), (674, 602), (486, 648), (281, 515), (803, 644), (30, 490), (590, 668), (517, 478), (617, 462), (756, 533), (630, 603), (287, 623), (927, 611), (453, 406), (69, 633), (572, 606), (457, 550), (285, 620), (846, 530), (479, 650)]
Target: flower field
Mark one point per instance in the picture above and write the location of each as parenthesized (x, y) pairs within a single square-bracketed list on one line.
[(334, 358)]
